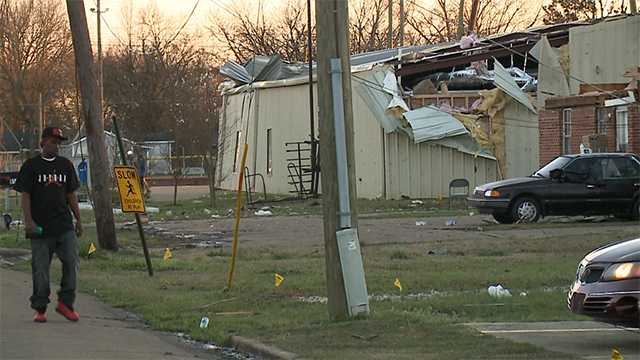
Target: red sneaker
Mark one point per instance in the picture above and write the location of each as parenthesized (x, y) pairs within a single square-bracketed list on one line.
[(40, 317), (65, 311)]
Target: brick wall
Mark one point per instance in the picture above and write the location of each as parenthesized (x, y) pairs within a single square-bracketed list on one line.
[(583, 122), (550, 135), (634, 128)]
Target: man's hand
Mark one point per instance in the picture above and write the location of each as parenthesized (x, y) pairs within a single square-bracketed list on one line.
[(29, 226), (79, 229)]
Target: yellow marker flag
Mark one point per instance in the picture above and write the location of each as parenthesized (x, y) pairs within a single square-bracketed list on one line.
[(615, 355), (397, 284), (167, 254), (92, 249), (279, 279)]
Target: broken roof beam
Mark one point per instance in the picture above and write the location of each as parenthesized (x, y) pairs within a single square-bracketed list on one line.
[(459, 58)]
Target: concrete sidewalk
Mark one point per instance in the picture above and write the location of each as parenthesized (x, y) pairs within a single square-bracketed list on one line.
[(101, 333)]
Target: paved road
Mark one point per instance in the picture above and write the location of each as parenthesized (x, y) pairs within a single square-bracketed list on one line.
[(101, 333), (587, 339)]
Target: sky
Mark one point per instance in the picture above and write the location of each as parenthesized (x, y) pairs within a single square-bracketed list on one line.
[(176, 10)]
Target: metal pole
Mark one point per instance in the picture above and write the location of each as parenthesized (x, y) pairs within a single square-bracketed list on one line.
[(138, 222), (312, 109)]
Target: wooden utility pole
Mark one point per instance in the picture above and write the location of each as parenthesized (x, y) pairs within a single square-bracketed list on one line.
[(333, 43), (40, 116), (474, 15), (390, 26), (91, 112), (99, 13), (460, 20), (401, 23)]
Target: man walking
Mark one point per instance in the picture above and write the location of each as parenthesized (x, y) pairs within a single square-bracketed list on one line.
[(48, 183)]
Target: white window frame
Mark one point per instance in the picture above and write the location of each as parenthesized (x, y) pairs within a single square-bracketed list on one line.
[(237, 151), (269, 151), (602, 116), (622, 128), (566, 131)]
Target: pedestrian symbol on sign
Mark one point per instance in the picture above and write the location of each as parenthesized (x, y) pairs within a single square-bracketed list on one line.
[(130, 187)]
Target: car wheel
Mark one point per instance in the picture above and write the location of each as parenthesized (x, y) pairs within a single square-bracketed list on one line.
[(526, 210), (503, 218)]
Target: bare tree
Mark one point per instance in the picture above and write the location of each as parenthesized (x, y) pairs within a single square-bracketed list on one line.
[(35, 59), (438, 23), (164, 87), (283, 33), (559, 11)]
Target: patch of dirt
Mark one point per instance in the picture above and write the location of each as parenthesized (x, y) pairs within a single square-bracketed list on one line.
[(307, 231)]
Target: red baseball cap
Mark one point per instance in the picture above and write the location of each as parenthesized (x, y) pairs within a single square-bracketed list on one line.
[(55, 132)]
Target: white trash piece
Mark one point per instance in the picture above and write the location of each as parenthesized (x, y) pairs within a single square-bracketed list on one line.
[(417, 202), (451, 222), (421, 223), (263, 213), (498, 291), (204, 322)]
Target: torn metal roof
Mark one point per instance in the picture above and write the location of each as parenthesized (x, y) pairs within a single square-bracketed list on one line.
[(430, 123), (505, 82)]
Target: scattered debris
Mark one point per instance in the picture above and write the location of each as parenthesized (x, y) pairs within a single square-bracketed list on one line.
[(498, 291), (207, 211), (451, 222), (265, 208), (523, 294), (229, 212), (236, 313), (215, 216), (421, 223), (417, 202), (263, 213), (204, 322), (168, 212), (472, 213), (363, 337)]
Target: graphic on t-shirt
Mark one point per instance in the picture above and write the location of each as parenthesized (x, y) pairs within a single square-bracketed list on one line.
[(52, 179)]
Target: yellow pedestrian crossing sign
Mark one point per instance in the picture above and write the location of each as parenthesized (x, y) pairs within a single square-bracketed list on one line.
[(131, 197)]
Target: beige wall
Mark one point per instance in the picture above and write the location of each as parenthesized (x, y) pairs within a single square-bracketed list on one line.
[(414, 170), (601, 53), (521, 140), (425, 170)]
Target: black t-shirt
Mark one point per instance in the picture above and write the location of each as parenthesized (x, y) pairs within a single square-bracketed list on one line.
[(48, 182)]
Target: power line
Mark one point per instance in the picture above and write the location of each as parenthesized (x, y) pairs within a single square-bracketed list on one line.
[(185, 22), (111, 31)]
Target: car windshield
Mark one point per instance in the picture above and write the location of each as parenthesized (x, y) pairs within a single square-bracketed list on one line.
[(558, 163)]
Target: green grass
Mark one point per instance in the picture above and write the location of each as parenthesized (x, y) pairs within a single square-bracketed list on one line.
[(454, 280)]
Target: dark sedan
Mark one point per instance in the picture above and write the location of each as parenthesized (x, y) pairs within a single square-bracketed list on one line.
[(607, 284), (585, 184)]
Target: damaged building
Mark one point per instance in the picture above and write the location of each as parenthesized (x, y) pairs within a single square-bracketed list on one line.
[(423, 115), (592, 104)]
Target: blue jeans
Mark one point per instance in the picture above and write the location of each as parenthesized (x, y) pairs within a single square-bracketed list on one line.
[(42, 250)]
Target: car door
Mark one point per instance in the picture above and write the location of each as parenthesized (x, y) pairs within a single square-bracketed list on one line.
[(577, 192), (621, 180)]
